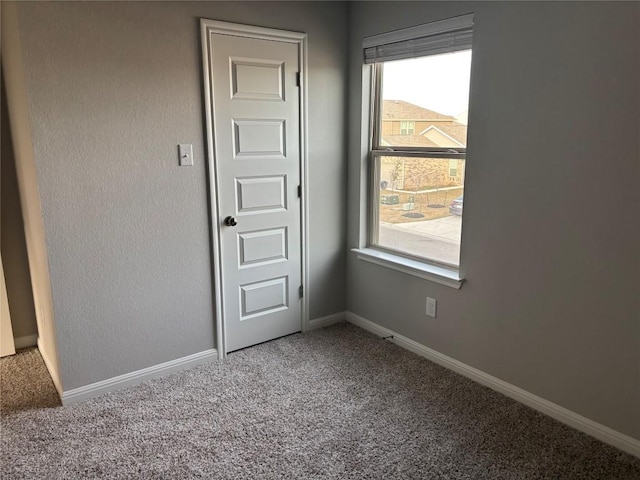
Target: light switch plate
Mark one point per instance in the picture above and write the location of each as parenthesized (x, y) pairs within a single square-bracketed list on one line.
[(185, 154)]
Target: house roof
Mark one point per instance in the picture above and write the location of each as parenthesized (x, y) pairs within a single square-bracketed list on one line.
[(456, 131), (401, 110)]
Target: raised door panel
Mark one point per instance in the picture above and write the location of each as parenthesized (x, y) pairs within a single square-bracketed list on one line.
[(261, 247)]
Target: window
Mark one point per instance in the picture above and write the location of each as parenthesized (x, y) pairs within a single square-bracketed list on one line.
[(453, 167), (420, 80), (407, 128)]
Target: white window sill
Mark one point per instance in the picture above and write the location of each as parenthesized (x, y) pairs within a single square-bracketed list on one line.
[(435, 273)]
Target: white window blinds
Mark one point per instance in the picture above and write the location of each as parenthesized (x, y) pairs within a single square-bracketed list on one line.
[(445, 36)]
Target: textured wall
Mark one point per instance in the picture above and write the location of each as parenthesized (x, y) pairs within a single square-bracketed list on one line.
[(113, 87), (14, 247), (19, 119), (551, 233)]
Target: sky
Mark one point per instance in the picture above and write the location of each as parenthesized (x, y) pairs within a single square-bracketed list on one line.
[(446, 92)]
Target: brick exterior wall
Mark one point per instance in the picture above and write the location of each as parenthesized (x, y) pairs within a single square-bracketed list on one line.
[(413, 173)]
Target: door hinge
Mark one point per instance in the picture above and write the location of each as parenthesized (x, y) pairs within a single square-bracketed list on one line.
[(299, 191), (301, 291), (297, 79)]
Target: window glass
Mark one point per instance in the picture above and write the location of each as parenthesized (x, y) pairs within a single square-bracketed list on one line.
[(418, 198), (419, 211), (429, 96)]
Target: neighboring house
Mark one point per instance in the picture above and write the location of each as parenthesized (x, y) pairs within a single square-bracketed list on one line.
[(404, 118), (405, 124)]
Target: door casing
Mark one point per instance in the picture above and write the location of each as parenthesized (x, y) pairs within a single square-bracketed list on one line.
[(209, 27)]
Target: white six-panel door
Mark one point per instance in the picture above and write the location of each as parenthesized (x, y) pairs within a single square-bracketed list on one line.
[(256, 145)]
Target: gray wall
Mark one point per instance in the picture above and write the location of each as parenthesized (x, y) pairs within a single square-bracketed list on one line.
[(21, 139), (551, 232), (14, 247), (112, 88), (551, 227)]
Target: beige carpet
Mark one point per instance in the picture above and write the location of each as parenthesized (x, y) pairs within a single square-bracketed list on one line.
[(337, 403), (25, 383)]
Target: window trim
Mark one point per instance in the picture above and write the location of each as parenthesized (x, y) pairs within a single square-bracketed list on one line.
[(426, 269), (450, 278), (447, 276)]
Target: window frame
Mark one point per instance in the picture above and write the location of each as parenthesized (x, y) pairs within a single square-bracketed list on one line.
[(409, 127), (445, 35), (377, 151)]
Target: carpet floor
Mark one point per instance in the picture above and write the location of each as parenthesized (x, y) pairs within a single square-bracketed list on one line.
[(337, 403), (25, 383)]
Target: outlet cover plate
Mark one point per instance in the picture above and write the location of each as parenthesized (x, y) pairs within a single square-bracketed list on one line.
[(431, 307)]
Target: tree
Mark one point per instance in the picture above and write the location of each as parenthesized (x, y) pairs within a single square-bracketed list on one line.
[(396, 173)]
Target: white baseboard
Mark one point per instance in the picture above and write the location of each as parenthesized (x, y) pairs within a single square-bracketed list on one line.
[(26, 341), (597, 430), (53, 370), (325, 321), (133, 378)]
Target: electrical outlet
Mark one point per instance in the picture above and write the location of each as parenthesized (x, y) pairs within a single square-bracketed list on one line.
[(431, 307)]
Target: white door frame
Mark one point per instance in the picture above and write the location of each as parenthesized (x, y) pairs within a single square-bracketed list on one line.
[(207, 28), (7, 345)]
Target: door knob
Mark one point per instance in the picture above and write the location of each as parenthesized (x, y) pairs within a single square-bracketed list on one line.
[(230, 221)]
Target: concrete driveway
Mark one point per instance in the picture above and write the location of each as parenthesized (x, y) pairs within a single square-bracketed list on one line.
[(438, 239), (447, 228)]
